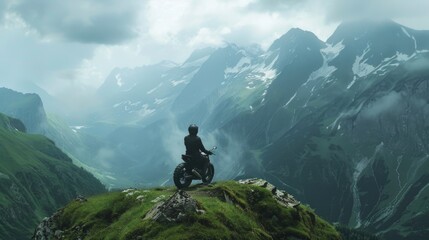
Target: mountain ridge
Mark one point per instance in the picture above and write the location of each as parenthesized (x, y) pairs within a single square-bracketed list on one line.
[(35, 179)]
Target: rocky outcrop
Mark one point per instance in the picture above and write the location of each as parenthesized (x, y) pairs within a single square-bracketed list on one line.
[(48, 228), (179, 206), (282, 197)]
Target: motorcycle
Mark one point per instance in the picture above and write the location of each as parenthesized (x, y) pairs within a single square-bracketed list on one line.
[(183, 180)]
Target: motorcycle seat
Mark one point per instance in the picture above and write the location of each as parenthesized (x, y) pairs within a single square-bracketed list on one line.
[(186, 157)]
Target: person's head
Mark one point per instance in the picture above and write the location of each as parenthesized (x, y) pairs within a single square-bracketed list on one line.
[(193, 129)]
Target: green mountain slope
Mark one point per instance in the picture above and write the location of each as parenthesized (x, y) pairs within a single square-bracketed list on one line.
[(35, 179), (85, 150), (225, 210)]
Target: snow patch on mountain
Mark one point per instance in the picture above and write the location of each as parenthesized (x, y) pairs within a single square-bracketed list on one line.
[(154, 89), (406, 32), (145, 111), (242, 65), (185, 79), (359, 168), (345, 114), (360, 68), (142, 109), (290, 100), (76, 128), (332, 51), (119, 81), (159, 101), (177, 82), (402, 57), (412, 37), (135, 107), (394, 61), (267, 72), (329, 53)]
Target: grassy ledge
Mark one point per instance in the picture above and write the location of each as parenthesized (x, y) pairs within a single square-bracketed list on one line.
[(231, 211)]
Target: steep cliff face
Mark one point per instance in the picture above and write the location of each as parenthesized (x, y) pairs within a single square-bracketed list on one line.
[(35, 179), (26, 107), (390, 133), (367, 147)]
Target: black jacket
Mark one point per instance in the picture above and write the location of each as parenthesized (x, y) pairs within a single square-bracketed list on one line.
[(194, 145)]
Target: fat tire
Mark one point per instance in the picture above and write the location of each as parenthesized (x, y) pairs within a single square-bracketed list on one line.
[(209, 177), (178, 174)]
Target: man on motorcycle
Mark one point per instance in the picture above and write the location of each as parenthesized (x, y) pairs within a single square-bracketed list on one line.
[(194, 147)]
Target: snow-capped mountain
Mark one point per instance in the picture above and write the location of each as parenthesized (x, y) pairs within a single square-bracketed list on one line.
[(342, 124), (143, 95)]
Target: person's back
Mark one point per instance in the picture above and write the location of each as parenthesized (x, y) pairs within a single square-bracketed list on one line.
[(194, 147)]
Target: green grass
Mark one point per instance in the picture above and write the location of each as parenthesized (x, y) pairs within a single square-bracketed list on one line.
[(40, 179), (251, 213)]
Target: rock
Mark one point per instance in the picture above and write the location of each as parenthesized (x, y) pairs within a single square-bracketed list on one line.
[(58, 234), (282, 197), (175, 209), (227, 198), (48, 228), (140, 198), (81, 198), (129, 190), (158, 199)]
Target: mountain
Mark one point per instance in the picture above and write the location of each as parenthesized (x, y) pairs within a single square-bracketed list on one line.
[(36, 178), (346, 146), (226, 210), (340, 124), (26, 107), (85, 149)]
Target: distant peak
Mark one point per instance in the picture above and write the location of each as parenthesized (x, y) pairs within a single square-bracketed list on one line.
[(295, 36), (200, 53), (360, 27)]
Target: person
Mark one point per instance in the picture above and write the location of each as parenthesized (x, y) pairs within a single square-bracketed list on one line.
[(194, 147)]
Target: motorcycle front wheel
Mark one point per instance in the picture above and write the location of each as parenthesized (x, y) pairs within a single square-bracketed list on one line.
[(210, 174), (179, 177)]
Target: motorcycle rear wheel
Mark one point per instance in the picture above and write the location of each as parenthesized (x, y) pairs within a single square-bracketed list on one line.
[(179, 177)]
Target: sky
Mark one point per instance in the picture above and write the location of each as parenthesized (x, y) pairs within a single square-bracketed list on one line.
[(72, 45)]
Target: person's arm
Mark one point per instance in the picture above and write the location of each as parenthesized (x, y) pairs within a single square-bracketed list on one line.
[(202, 148)]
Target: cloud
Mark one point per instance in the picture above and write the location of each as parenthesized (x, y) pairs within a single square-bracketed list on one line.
[(25, 58), (87, 21), (409, 13), (3, 6), (194, 22), (385, 104), (273, 5)]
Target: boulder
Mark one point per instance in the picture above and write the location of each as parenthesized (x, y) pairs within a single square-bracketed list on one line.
[(48, 228), (282, 197), (179, 206)]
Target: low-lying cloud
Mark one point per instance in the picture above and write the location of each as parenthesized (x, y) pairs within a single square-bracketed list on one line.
[(382, 105)]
